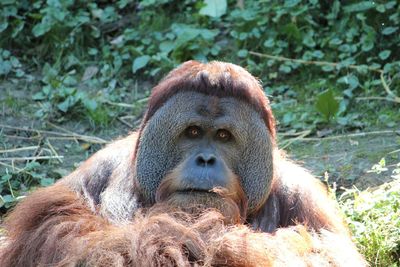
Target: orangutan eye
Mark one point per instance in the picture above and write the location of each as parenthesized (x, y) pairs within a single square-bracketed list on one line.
[(224, 135), (193, 132)]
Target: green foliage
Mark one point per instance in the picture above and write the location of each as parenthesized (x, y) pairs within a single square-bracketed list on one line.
[(145, 39), (9, 64), (327, 104), (14, 184), (214, 8), (374, 218), (375, 223), (60, 97)]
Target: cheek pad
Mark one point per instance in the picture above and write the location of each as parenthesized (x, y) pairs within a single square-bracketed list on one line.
[(256, 164), (157, 153)]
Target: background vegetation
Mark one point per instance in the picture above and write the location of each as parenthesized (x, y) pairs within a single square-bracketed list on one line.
[(73, 69)]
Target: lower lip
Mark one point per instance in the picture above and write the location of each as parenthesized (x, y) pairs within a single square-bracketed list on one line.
[(194, 191)]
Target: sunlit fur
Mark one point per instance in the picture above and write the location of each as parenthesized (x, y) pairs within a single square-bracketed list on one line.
[(67, 233)]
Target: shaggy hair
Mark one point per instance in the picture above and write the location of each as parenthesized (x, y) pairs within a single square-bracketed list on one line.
[(69, 234)]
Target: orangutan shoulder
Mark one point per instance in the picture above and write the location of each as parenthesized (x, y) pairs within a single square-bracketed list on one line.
[(94, 174)]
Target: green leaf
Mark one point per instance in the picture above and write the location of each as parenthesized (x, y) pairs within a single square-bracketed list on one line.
[(166, 46), (318, 54), (327, 105), (292, 31), (6, 177), (32, 165), (384, 54), (242, 53), (5, 67), (291, 3), (90, 104), (7, 2), (390, 4), (69, 102), (361, 6), (140, 62), (328, 68), (3, 25), (93, 51), (350, 80), (46, 181), (214, 8), (41, 29), (6, 54), (147, 3), (389, 30), (381, 8), (269, 42), (308, 39), (8, 198), (285, 68), (335, 41), (39, 96)]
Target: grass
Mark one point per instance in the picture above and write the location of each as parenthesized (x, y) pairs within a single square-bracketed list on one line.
[(374, 219)]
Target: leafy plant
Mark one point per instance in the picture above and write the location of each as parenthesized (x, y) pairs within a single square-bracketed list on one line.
[(10, 64), (327, 105), (374, 218), (14, 183), (61, 94), (214, 8), (375, 222)]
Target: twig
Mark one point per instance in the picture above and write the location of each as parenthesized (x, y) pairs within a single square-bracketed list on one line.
[(62, 138), (22, 137), (291, 141), (394, 151), (123, 105), (375, 98), (53, 150), (64, 130), (125, 122), (143, 100), (38, 151), (19, 149), (60, 128), (30, 158), (333, 64), (293, 133), (387, 89), (313, 62), (350, 135), (11, 166), (86, 138), (136, 122)]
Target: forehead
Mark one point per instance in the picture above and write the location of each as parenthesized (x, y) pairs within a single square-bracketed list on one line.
[(207, 107), (192, 108)]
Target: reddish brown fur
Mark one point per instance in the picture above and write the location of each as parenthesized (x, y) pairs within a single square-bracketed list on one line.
[(67, 233), (309, 199)]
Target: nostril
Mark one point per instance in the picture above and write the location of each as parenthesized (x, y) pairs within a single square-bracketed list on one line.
[(200, 161), (211, 160), (204, 160)]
